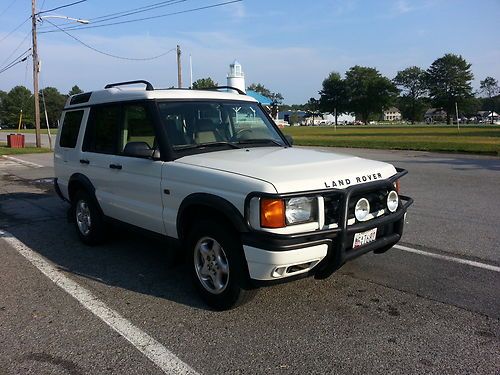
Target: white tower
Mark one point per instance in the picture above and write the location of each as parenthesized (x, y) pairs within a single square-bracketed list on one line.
[(236, 77)]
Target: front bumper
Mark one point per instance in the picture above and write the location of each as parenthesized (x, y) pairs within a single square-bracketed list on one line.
[(322, 252)]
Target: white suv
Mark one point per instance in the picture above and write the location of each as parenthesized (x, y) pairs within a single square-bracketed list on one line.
[(212, 171)]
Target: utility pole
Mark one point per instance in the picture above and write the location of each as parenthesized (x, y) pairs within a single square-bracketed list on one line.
[(179, 68), (34, 52)]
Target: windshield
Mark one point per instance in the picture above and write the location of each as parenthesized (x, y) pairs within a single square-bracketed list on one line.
[(201, 125)]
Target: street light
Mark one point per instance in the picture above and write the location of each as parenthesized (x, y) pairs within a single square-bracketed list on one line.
[(79, 20)]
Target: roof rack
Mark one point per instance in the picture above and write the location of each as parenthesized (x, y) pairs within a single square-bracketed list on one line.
[(241, 92), (149, 86)]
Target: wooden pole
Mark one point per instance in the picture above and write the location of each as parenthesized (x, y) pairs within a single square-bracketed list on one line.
[(34, 52)]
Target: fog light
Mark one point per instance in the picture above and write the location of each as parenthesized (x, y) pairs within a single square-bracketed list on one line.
[(362, 209), (392, 201)]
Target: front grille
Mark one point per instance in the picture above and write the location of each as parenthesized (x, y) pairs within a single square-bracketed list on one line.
[(333, 204), (377, 199)]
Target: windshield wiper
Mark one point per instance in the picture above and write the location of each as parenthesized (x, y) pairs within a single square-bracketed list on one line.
[(260, 141), (202, 145)]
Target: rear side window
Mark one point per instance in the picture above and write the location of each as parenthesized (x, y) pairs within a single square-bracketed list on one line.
[(101, 135), (70, 129)]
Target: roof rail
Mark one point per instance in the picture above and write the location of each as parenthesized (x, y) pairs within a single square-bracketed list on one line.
[(149, 86), (241, 92)]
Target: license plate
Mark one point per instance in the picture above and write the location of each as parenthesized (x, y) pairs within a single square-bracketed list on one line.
[(363, 238)]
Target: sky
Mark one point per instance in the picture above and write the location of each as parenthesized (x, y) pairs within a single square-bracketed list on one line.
[(289, 46)]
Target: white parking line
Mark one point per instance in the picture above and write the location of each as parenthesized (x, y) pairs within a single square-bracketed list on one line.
[(24, 162), (449, 258), (147, 345)]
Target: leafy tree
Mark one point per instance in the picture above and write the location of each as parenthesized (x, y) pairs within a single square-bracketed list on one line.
[(333, 95), (204, 83), (54, 102), (412, 83), (489, 87), (17, 99), (75, 90), (275, 97), (449, 82), (3, 95), (369, 92)]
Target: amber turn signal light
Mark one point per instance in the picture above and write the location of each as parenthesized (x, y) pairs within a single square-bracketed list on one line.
[(397, 186), (272, 213)]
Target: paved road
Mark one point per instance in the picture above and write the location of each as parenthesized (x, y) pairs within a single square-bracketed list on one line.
[(396, 313)]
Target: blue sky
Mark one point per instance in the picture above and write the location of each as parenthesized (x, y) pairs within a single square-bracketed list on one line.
[(289, 46)]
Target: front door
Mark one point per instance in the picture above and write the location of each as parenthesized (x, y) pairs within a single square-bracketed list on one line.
[(136, 181)]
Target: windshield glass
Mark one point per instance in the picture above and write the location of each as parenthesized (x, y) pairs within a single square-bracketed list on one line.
[(201, 124)]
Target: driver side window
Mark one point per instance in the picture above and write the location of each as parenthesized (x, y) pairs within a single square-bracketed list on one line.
[(137, 126)]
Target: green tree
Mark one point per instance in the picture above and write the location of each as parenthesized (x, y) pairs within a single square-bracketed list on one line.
[(489, 87), (75, 90), (204, 83), (449, 82), (413, 86), (333, 96), (3, 95), (275, 97), (369, 92), (54, 103), (17, 99)]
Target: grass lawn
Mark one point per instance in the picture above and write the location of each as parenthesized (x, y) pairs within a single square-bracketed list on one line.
[(28, 131), (4, 150), (471, 139)]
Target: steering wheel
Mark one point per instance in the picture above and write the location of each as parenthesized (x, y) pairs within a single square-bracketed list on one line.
[(239, 133)]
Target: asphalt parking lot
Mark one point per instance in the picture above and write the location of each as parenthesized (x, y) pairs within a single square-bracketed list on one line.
[(429, 306)]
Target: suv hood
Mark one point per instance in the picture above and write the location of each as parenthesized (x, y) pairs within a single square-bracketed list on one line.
[(294, 169)]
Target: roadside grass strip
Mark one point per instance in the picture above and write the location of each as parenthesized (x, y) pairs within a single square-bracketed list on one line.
[(168, 362)]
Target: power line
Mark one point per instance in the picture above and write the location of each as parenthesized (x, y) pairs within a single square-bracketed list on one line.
[(13, 31), (109, 54), (127, 13), (143, 19), (15, 50), (17, 58), (11, 65), (60, 7), (8, 7), (138, 10)]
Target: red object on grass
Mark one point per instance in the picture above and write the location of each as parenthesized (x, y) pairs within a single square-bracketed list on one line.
[(15, 140)]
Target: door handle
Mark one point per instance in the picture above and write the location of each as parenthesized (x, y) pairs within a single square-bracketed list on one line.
[(115, 166), (84, 161)]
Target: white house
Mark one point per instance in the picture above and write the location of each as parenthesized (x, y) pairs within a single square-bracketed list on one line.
[(392, 114)]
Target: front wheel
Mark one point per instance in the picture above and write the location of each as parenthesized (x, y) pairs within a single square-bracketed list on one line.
[(218, 266)]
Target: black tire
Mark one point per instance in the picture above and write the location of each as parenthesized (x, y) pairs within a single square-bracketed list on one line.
[(236, 291), (93, 233)]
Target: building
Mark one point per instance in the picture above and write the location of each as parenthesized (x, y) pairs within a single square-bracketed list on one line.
[(236, 77), (392, 114), (435, 115)]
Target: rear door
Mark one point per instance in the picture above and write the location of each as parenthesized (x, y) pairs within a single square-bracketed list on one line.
[(99, 148)]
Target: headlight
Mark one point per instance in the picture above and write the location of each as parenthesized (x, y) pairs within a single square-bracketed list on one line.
[(392, 201), (300, 210), (362, 209)]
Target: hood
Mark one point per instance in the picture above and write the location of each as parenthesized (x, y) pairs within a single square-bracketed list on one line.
[(294, 169)]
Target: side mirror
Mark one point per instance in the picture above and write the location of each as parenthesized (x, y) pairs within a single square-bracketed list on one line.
[(289, 138), (138, 150)]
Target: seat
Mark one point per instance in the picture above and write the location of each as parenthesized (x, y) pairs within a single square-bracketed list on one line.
[(206, 132)]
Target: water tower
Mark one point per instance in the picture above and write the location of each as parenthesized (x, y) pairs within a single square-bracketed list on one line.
[(236, 77)]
